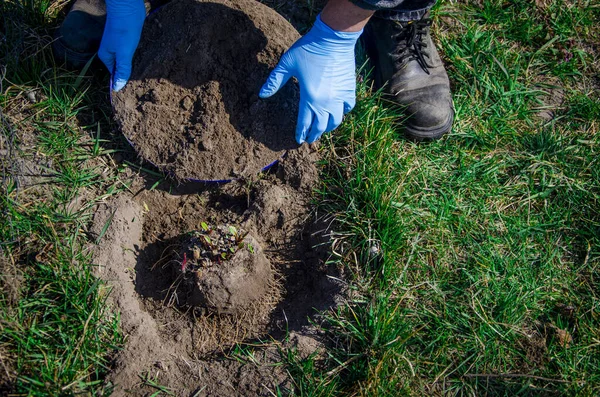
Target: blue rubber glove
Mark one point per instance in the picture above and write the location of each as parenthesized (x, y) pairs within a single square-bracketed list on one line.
[(323, 62), (124, 22)]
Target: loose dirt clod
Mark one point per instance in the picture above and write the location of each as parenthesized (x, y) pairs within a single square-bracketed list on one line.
[(192, 107), (226, 269)]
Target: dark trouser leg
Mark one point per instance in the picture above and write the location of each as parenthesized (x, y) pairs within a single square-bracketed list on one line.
[(78, 39), (79, 36), (397, 10)]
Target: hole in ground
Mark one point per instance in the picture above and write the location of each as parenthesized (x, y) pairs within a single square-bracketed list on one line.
[(278, 216)]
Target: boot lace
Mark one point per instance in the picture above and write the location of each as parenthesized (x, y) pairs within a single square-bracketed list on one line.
[(411, 47)]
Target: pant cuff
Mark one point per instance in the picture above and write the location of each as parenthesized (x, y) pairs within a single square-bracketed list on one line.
[(402, 15)]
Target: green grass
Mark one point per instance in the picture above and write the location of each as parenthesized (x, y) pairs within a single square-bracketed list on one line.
[(485, 236), (57, 332)]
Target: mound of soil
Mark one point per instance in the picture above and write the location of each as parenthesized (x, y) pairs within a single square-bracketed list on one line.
[(192, 107), (226, 270)]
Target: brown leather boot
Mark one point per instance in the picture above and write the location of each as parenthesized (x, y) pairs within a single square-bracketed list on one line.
[(407, 63)]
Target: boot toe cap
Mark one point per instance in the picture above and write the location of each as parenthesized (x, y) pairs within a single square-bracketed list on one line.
[(429, 118)]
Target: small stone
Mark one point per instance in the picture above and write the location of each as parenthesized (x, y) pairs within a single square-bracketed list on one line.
[(206, 144), (187, 103), (374, 249), (31, 96)]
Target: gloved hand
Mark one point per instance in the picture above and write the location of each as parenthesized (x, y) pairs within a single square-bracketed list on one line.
[(124, 22), (323, 62)]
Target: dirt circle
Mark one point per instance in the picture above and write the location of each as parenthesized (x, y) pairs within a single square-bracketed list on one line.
[(264, 276), (191, 106)]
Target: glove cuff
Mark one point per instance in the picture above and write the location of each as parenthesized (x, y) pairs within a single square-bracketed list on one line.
[(325, 32)]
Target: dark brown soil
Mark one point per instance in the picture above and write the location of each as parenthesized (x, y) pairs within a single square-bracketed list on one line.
[(192, 107)]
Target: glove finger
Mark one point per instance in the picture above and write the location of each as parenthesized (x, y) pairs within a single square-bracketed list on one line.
[(122, 72), (318, 128), (305, 119), (349, 105), (278, 77), (108, 58), (335, 119)]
